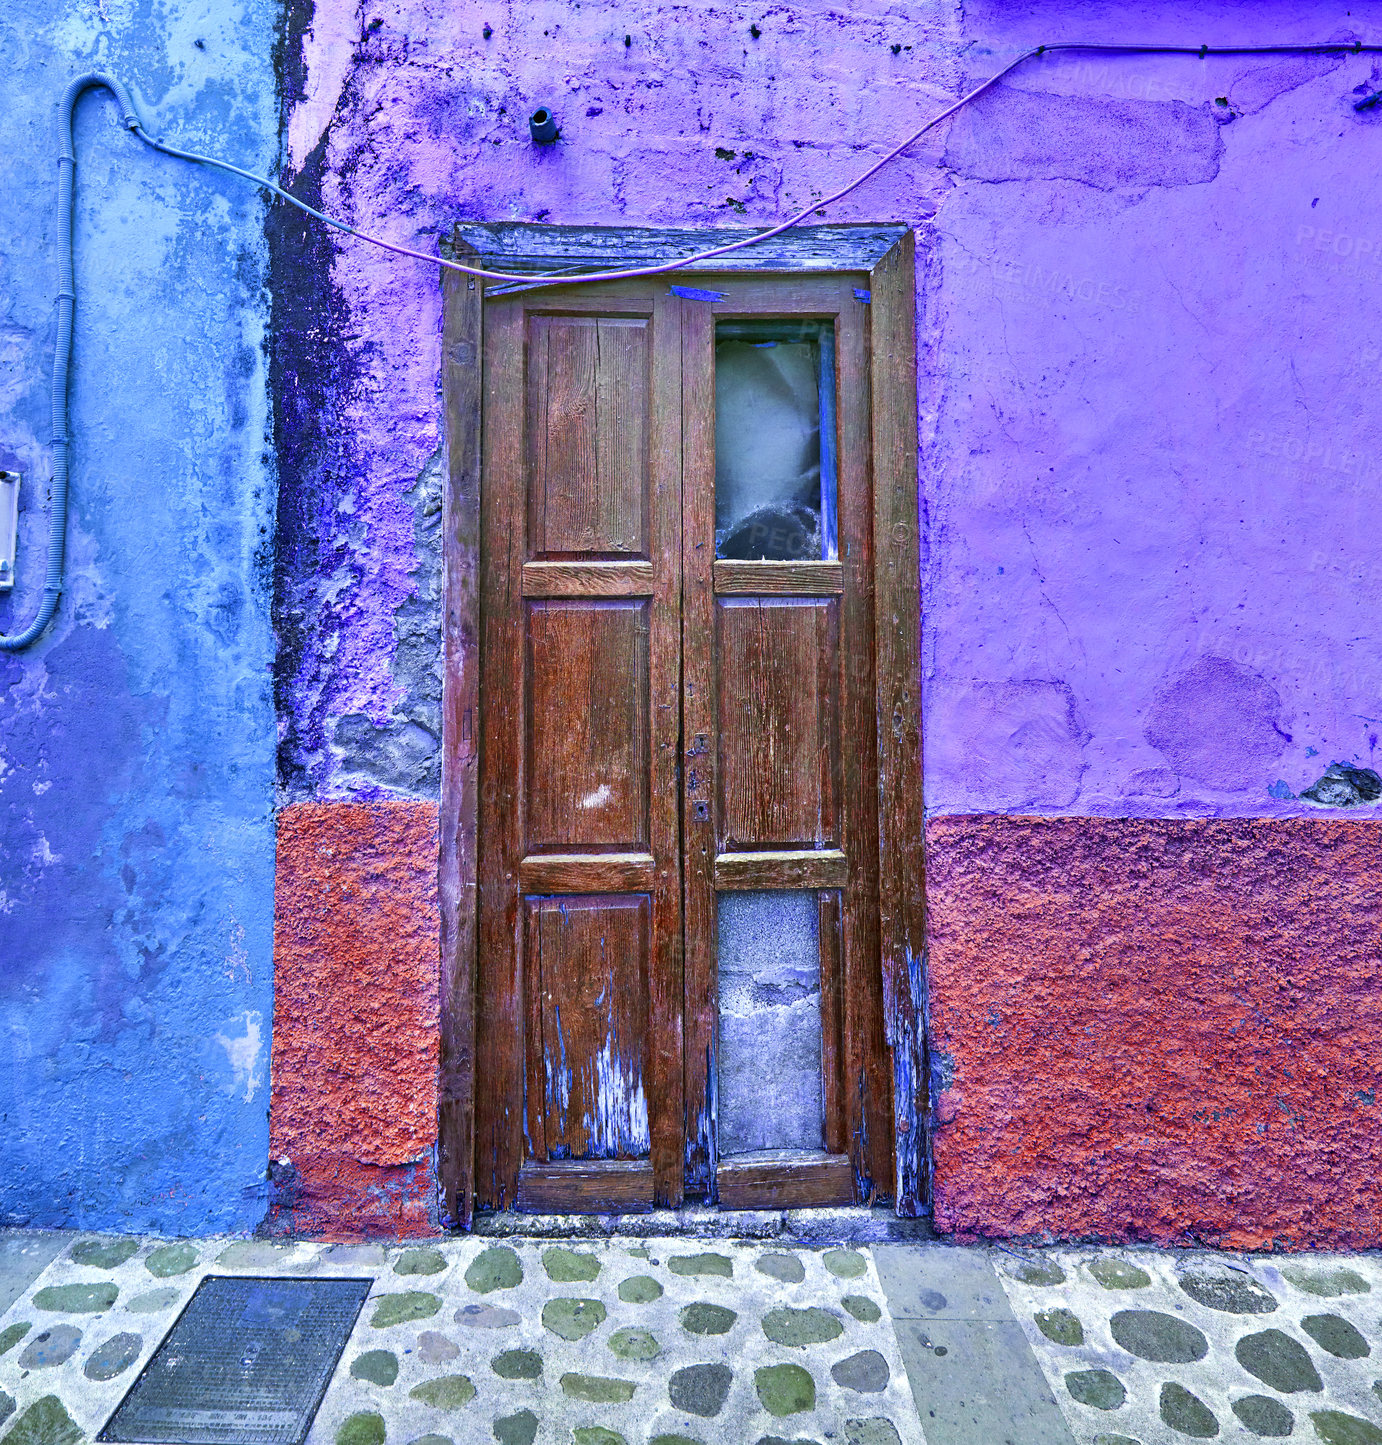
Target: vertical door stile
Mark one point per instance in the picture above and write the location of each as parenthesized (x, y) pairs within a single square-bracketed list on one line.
[(499, 995), (867, 1084), (699, 754), (666, 1106), (460, 762), (832, 1022), (897, 676)]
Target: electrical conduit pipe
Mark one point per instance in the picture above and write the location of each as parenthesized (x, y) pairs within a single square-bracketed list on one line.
[(62, 356)]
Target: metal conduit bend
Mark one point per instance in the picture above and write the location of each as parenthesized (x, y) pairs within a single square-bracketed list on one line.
[(62, 356)]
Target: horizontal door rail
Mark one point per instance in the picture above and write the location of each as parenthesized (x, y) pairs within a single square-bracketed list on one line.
[(577, 1186), (797, 868), (588, 579), (750, 1182), (586, 873), (779, 579)]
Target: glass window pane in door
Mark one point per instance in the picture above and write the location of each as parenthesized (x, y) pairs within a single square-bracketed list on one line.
[(770, 1092), (775, 441)]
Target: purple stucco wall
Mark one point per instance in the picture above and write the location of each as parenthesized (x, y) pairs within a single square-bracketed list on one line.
[(1149, 588), (1149, 446)]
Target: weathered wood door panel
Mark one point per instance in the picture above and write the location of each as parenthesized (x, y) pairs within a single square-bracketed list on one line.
[(679, 757), (588, 725), (579, 1102), (587, 963), (589, 380), (779, 743), (777, 665)]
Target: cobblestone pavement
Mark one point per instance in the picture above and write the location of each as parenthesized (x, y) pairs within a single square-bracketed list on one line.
[(582, 1342), (1144, 1346), (626, 1341)]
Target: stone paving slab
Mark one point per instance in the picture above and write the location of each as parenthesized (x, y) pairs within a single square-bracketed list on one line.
[(517, 1341), (940, 1282), (24, 1254), (973, 1375), (975, 1383), (1143, 1347)]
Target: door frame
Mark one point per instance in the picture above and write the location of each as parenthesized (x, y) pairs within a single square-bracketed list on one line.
[(887, 253)]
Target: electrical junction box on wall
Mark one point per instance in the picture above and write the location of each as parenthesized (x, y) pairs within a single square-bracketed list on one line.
[(9, 526)]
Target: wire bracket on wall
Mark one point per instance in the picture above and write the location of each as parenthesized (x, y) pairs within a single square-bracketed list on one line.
[(9, 527)]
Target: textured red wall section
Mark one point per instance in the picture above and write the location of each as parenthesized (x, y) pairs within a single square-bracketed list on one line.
[(1163, 1030), (354, 1080)]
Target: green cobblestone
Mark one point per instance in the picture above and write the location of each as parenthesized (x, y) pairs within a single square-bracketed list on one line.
[(77, 1299), (420, 1261), (449, 1392), (171, 1259), (399, 1309)]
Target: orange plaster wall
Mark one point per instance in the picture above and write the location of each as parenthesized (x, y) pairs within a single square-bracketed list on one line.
[(1165, 1030), (353, 1110)]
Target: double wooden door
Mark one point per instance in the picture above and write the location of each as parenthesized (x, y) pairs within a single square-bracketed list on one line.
[(678, 987)]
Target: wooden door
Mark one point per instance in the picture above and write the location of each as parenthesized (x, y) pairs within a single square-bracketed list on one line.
[(676, 747), (579, 986), (780, 782)]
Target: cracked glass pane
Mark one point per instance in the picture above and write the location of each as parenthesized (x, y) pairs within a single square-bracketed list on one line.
[(775, 441), (770, 1091)]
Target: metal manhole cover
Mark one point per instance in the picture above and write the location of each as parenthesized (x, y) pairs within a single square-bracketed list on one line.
[(246, 1363)]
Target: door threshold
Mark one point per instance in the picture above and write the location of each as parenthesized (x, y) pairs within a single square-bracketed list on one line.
[(846, 1224)]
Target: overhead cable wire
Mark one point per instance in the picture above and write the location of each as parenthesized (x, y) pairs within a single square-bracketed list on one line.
[(67, 289), (699, 258)]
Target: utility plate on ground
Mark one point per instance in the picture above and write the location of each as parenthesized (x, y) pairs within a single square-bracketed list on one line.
[(247, 1363)]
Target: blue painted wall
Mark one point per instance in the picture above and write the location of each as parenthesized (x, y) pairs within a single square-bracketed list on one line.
[(137, 738)]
